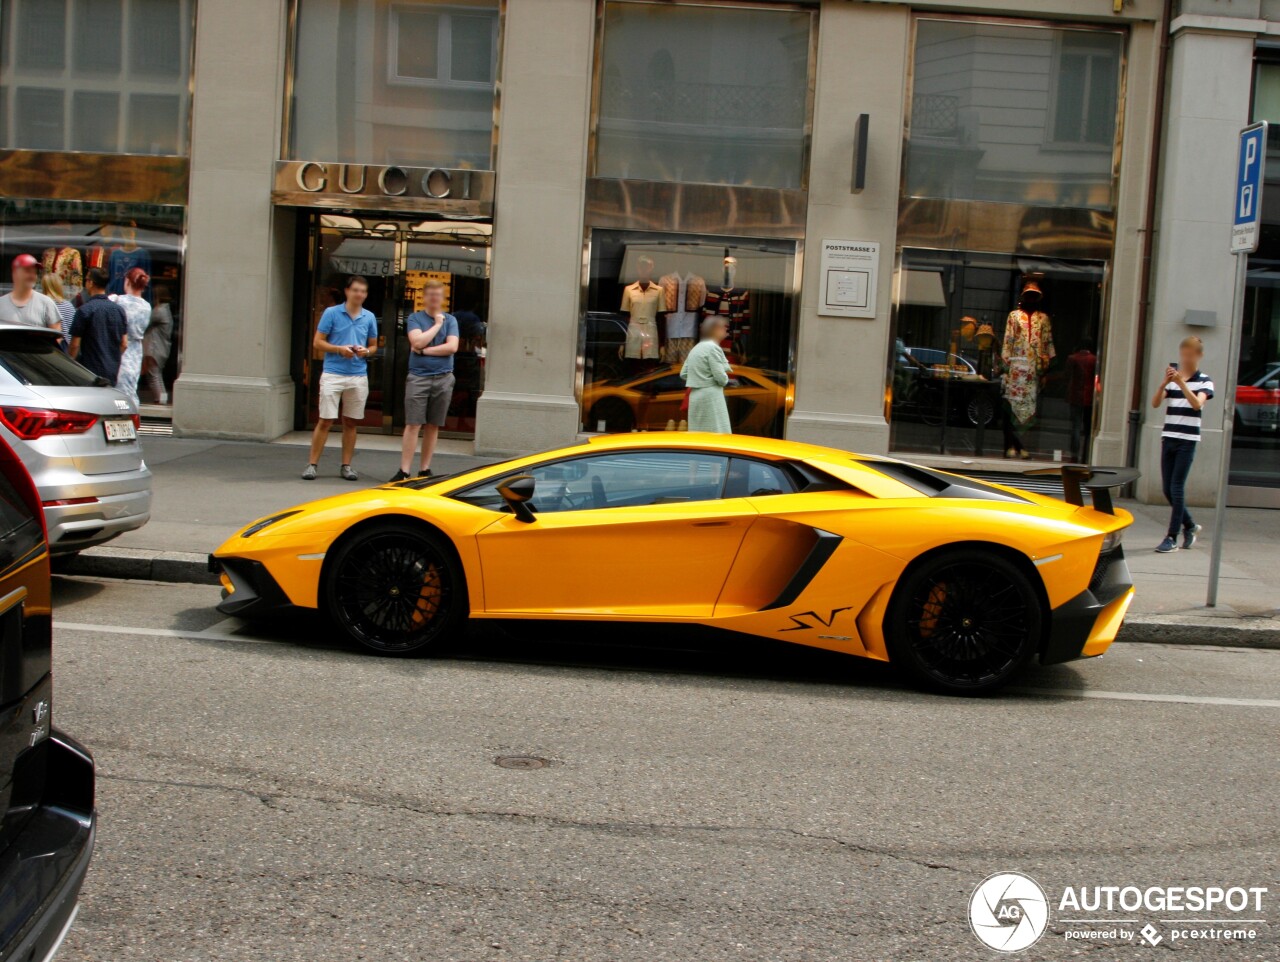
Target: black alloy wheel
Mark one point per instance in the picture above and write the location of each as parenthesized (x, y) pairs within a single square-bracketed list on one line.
[(394, 588), (964, 621)]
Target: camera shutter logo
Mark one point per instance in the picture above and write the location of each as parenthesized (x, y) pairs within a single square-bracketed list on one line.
[(1008, 911)]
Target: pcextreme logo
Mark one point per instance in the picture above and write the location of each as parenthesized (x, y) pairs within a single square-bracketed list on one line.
[(1009, 912)]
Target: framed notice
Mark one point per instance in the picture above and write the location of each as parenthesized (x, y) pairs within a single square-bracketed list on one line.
[(850, 278)]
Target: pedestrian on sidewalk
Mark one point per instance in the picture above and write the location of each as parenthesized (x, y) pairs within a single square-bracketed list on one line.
[(51, 284), (348, 337), (24, 304), (99, 330), (1184, 391), (137, 313), (706, 373), (433, 340)]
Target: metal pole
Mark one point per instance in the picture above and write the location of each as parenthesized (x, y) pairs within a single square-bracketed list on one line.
[(1228, 396)]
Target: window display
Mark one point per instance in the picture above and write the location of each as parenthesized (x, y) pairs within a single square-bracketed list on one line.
[(648, 297), (995, 356), (1014, 113), (69, 237), (381, 82), (72, 77), (704, 94)]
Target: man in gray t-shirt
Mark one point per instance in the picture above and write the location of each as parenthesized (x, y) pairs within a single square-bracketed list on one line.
[(25, 304)]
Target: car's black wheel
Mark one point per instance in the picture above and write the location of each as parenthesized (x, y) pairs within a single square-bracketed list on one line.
[(980, 410), (964, 621), (615, 413), (394, 588)]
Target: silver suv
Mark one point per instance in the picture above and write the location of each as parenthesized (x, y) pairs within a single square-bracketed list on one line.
[(77, 435)]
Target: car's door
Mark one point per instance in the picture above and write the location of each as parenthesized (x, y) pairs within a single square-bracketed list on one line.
[(624, 533)]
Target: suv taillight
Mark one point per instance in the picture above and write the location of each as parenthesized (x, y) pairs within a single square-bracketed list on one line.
[(32, 423)]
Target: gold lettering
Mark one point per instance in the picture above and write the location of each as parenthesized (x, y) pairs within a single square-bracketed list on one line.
[(312, 186), (344, 177)]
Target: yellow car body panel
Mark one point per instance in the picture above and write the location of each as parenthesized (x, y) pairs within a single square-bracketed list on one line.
[(730, 563)]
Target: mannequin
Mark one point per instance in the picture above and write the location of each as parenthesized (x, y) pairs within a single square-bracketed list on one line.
[(734, 304), (1024, 358), (66, 263), (683, 297), (126, 257), (642, 302)]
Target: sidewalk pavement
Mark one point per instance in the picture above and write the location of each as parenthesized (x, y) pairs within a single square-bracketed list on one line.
[(205, 490)]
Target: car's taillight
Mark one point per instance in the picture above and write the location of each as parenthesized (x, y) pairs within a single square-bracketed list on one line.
[(16, 473), (32, 423)]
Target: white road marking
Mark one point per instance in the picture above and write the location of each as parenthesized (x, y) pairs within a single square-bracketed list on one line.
[(226, 630), (1148, 696)]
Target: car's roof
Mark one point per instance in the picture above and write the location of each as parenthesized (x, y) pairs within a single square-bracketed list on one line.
[(44, 331)]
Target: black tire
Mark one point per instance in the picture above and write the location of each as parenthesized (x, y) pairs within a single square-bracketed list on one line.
[(616, 414), (964, 621), (980, 410), (395, 588)]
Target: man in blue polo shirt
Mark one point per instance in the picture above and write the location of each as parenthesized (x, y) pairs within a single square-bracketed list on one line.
[(428, 389), (348, 337)]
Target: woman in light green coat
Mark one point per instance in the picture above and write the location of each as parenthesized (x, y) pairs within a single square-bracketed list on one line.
[(706, 372)]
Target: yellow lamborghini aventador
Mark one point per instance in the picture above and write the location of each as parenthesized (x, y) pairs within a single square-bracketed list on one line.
[(958, 582)]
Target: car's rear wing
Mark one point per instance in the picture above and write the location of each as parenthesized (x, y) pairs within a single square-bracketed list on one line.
[(1099, 481)]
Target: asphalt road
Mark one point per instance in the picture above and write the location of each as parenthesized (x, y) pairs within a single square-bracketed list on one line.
[(275, 795)]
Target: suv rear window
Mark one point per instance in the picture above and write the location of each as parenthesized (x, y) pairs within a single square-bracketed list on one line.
[(37, 360)]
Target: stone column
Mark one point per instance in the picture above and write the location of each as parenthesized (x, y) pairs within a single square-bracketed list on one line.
[(840, 364), (528, 401), (238, 275), (1210, 81)]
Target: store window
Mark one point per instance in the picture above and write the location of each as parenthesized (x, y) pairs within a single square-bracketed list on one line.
[(996, 355), (69, 237), (647, 296), (104, 76), (409, 83), (1255, 446), (704, 94), (1014, 113)]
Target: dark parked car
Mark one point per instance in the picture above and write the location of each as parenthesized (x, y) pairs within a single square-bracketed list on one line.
[(46, 779)]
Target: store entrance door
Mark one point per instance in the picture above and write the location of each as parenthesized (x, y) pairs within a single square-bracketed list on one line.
[(398, 256)]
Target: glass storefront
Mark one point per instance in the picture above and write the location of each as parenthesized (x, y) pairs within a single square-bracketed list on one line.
[(647, 295), (1014, 113), (697, 93), (409, 82), (1255, 448), (996, 355), (398, 256), (69, 237), (98, 77), (1005, 232)]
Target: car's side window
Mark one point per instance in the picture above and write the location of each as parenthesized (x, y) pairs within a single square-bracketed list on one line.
[(757, 479), (630, 479)]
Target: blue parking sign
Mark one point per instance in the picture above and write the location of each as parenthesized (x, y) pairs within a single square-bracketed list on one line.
[(1250, 164)]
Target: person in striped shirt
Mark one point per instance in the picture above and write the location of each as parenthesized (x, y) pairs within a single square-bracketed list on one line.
[(1183, 392)]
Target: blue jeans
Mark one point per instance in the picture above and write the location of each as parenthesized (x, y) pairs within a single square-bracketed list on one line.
[(1176, 456)]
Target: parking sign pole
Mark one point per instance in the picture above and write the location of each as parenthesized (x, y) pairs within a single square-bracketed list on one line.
[(1228, 396), (1246, 223)]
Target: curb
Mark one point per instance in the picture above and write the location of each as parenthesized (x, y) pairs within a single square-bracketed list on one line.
[(139, 564), (1208, 630), (185, 567)]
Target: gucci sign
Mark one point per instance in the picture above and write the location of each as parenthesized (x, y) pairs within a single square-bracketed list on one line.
[(311, 183)]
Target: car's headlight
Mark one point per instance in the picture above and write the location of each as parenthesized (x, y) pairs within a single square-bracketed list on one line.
[(1111, 541), (259, 525)]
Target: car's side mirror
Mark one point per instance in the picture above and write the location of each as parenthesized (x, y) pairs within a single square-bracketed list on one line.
[(517, 491)]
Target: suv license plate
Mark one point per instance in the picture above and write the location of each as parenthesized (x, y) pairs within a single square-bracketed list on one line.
[(120, 430)]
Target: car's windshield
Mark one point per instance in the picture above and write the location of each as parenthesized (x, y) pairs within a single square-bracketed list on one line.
[(34, 358)]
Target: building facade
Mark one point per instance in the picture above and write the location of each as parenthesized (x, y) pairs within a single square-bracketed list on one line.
[(929, 229)]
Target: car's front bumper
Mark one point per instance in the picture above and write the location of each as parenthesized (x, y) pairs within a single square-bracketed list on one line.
[(43, 867), (248, 589), (1086, 625)]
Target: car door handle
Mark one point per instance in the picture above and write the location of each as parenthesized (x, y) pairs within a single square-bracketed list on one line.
[(712, 524)]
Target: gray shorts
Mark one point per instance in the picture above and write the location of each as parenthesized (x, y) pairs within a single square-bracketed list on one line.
[(426, 399)]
